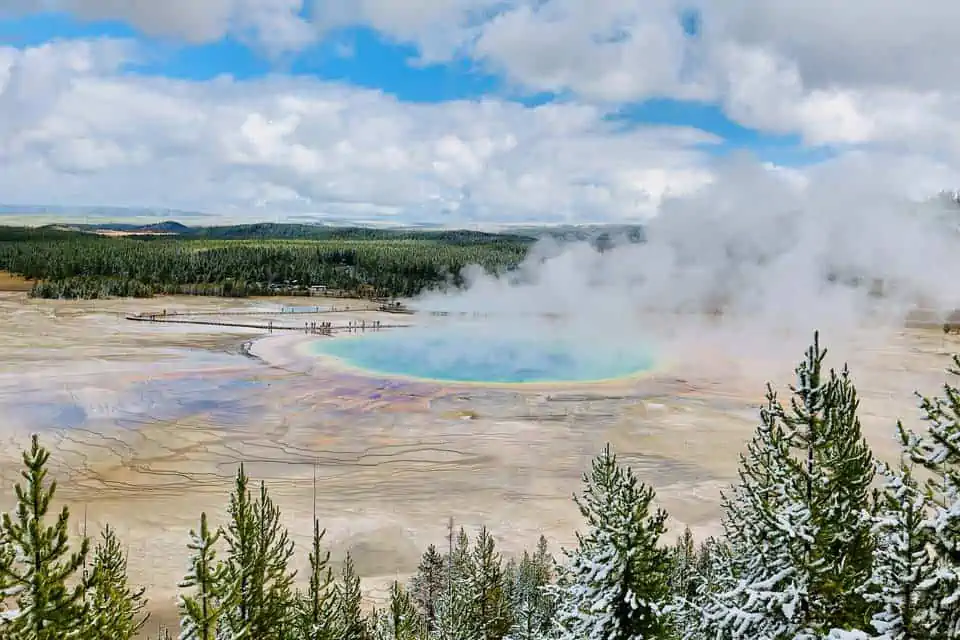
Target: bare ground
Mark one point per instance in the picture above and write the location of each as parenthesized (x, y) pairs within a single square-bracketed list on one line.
[(147, 424), (10, 282)]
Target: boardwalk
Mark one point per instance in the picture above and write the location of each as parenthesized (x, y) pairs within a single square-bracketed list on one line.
[(318, 328), (283, 311)]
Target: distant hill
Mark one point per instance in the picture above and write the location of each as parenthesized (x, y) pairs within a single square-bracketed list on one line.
[(271, 230), (283, 231), (167, 226), (601, 236)]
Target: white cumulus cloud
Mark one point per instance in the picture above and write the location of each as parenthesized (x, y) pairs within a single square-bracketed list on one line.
[(78, 130), (869, 76)]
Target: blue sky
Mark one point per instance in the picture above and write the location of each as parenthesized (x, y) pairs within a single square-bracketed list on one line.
[(477, 109), (363, 57)]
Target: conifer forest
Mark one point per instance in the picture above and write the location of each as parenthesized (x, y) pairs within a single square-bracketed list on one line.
[(821, 542), (251, 260)]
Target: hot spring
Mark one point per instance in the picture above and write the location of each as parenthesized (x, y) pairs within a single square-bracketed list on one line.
[(470, 355)]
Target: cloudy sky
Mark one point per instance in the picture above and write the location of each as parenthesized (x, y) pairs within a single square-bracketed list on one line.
[(468, 111)]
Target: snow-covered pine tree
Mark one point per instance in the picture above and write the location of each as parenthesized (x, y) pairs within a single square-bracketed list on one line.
[(511, 573), (454, 611), (757, 588), (842, 634), (938, 451), (315, 611), (685, 582), (527, 622), (491, 609), (548, 606), (115, 610), (461, 560), (706, 561), (258, 553), (8, 586), (615, 584), (797, 524), (428, 584), (48, 608), (457, 608), (839, 472), (543, 568), (454, 614), (202, 612), (533, 605), (349, 600), (714, 568), (400, 620), (684, 576), (902, 564)]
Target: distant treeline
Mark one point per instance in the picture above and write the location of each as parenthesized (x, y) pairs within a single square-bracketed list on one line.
[(265, 258), (598, 234), (287, 231), (457, 237), (252, 260)]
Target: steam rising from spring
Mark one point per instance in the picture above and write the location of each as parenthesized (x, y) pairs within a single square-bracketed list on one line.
[(753, 262)]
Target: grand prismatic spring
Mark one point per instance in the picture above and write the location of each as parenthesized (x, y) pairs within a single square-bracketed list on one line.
[(403, 428), (476, 355)]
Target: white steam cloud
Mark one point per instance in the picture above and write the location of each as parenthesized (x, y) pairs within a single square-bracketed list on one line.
[(740, 270)]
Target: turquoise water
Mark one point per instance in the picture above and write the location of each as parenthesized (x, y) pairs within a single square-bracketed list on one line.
[(465, 356)]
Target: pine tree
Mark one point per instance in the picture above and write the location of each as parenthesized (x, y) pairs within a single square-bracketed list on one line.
[(316, 612), (706, 561), (115, 610), (542, 572), (533, 605), (273, 615), (839, 473), (8, 585), (349, 600), (511, 577), (42, 565), (259, 550), (686, 582), (615, 584), (201, 614), (714, 570), (461, 560), (757, 588), (454, 614), (491, 609), (938, 451), (400, 620), (902, 566), (428, 584), (684, 560), (242, 558), (285, 627), (525, 613), (797, 525)]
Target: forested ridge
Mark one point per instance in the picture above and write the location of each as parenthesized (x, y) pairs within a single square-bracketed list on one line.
[(228, 262), (820, 541), (299, 231)]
